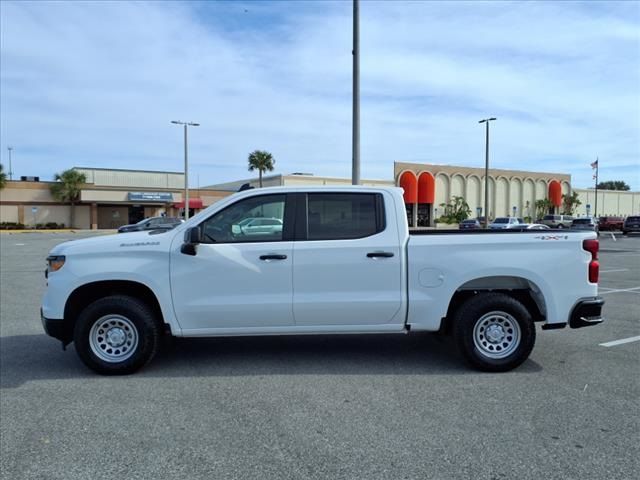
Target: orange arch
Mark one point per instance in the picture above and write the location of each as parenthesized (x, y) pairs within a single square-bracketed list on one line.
[(409, 183), (426, 188), (555, 193)]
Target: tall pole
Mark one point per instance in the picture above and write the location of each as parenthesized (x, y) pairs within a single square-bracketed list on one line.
[(595, 210), (10, 169), (186, 165), (486, 172), (486, 179), (355, 166), (186, 177)]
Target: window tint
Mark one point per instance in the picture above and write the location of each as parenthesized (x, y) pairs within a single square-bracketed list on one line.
[(501, 220), (333, 216), (243, 221), (633, 219)]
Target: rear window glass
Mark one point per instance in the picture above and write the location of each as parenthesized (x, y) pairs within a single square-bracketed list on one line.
[(338, 216), (633, 219), (551, 217), (582, 221), (501, 220)]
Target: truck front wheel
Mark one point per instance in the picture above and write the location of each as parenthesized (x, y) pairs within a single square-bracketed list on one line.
[(494, 332), (116, 335)]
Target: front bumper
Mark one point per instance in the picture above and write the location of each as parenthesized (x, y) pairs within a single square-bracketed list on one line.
[(57, 328), (586, 312)]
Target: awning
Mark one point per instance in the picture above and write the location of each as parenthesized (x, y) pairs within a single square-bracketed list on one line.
[(193, 203)]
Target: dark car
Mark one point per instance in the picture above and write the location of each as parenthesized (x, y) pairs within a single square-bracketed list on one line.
[(584, 223), (631, 225), (152, 223), (470, 224)]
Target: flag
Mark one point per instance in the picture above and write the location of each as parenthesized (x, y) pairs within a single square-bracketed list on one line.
[(594, 177), (594, 164)]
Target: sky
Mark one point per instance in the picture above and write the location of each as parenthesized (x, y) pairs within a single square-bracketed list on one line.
[(96, 84)]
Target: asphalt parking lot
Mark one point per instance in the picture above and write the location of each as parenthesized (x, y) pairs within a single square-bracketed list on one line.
[(370, 407)]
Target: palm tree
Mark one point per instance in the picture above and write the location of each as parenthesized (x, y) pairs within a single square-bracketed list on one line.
[(3, 177), (67, 189), (262, 161)]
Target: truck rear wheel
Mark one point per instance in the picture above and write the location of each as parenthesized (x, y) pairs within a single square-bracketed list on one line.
[(494, 332), (116, 335)]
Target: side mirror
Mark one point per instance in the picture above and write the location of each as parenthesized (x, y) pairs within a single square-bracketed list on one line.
[(192, 237)]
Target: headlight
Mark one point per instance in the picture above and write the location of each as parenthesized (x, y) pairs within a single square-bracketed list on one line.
[(55, 262)]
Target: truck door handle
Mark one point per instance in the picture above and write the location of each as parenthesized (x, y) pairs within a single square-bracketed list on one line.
[(273, 257), (380, 254)]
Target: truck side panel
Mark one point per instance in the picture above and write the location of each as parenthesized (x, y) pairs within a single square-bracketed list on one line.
[(553, 265)]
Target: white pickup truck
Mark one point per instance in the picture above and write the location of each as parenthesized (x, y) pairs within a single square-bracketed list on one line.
[(338, 260)]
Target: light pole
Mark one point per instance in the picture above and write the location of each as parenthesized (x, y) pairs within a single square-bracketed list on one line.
[(486, 174), (355, 154), (186, 166), (10, 169)]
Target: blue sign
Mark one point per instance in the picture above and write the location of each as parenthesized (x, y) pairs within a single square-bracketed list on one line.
[(150, 197)]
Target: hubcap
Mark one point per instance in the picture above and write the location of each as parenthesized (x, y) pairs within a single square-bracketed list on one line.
[(496, 335), (113, 338)]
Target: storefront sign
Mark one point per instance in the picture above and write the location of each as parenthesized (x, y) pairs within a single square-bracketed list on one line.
[(150, 197)]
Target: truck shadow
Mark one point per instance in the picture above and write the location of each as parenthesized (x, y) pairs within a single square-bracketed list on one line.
[(25, 358)]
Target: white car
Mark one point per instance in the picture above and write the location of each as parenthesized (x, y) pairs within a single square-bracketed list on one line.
[(502, 223), (343, 262)]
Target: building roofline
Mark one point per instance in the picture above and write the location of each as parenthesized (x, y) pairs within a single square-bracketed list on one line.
[(127, 170)]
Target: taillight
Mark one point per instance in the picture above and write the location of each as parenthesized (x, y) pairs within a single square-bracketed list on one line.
[(592, 246)]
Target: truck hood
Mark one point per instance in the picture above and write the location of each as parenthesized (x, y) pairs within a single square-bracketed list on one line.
[(116, 243)]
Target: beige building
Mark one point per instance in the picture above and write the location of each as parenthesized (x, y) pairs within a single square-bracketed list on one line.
[(109, 199)]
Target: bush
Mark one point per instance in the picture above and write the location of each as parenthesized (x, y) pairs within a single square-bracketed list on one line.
[(11, 226)]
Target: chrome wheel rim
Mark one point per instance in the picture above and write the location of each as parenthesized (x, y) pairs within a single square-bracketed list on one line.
[(113, 338), (496, 335)]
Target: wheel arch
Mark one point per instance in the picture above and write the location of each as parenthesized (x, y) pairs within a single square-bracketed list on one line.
[(522, 289), (88, 293)]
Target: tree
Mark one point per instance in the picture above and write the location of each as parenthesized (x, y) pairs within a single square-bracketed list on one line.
[(3, 177), (67, 189), (455, 211), (614, 185), (570, 203), (542, 208), (262, 161)]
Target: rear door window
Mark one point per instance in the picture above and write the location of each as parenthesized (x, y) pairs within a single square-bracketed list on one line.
[(342, 216)]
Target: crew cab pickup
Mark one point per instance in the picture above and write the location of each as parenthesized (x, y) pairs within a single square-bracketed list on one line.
[(344, 262)]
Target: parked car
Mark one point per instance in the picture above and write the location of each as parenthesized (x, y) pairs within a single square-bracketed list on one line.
[(537, 226), (610, 223), (631, 225), (502, 223), (261, 226), (345, 262), (584, 223), (469, 224), (152, 223), (557, 221), (533, 226)]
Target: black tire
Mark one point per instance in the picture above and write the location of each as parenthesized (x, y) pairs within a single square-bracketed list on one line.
[(116, 335), (478, 325), (624, 232), (560, 227)]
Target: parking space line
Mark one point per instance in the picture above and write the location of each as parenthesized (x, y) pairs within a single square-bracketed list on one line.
[(616, 270), (619, 290), (620, 342)]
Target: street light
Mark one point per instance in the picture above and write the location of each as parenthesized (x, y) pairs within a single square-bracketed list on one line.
[(186, 166), (486, 174), (10, 169)]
